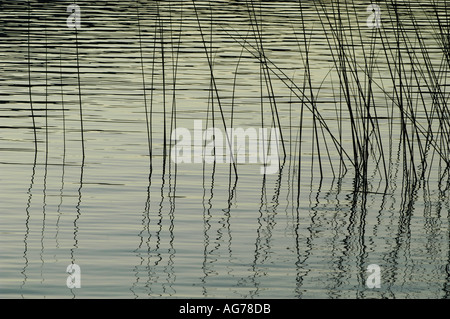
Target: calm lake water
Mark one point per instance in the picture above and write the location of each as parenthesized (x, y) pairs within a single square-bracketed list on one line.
[(140, 225)]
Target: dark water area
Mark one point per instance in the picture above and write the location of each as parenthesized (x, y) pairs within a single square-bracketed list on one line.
[(343, 159)]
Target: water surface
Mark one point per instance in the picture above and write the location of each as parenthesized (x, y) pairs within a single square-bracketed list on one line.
[(104, 192)]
